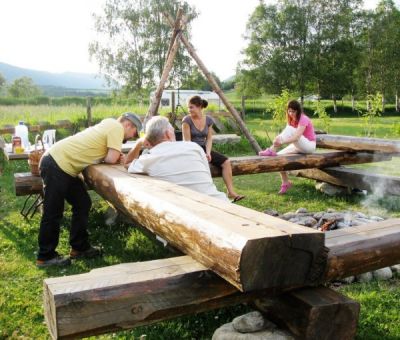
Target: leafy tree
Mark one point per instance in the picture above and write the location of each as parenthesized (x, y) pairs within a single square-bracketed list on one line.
[(2, 81), (196, 81), (23, 87), (134, 42)]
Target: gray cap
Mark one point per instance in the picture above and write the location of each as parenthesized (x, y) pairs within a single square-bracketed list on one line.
[(134, 119)]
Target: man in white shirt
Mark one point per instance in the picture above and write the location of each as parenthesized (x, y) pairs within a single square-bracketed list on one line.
[(182, 163)]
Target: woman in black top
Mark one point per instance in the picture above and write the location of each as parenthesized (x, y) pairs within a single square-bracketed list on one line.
[(196, 127)]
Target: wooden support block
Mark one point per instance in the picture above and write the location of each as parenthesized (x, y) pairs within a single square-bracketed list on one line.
[(26, 184), (316, 313), (354, 178), (256, 164), (249, 249), (338, 142)]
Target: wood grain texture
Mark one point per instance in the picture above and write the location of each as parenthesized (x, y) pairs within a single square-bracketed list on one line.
[(317, 313), (338, 142), (255, 164), (249, 249), (25, 184), (354, 178), (128, 295)]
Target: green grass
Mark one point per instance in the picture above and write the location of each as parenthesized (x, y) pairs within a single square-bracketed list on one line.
[(21, 311)]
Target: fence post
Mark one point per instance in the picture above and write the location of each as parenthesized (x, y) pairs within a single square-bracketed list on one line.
[(89, 111)]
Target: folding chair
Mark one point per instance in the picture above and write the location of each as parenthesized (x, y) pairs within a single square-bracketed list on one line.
[(49, 137)]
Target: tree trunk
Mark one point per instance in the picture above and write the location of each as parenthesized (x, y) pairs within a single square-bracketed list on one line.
[(254, 164), (218, 90), (334, 103), (353, 106), (397, 101)]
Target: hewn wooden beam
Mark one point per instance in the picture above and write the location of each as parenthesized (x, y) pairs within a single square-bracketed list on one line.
[(354, 178), (249, 249), (128, 295), (318, 313), (360, 249), (358, 143), (255, 164)]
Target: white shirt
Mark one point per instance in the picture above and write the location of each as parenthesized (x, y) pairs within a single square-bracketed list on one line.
[(182, 163)]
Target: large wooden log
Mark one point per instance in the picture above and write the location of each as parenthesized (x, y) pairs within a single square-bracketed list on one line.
[(359, 249), (255, 164), (354, 178), (249, 249), (128, 295), (132, 294), (358, 143), (26, 184), (317, 313)]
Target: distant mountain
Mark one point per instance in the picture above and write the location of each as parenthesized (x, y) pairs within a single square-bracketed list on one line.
[(69, 80)]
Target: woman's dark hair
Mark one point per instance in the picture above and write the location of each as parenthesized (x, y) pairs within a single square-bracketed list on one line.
[(296, 106), (198, 101)]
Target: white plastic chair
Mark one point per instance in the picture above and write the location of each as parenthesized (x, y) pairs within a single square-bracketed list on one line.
[(49, 137)]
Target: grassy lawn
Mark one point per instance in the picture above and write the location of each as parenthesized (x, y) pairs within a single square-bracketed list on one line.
[(21, 311)]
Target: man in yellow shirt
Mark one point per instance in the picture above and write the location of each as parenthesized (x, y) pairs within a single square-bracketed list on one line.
[(59, 169)]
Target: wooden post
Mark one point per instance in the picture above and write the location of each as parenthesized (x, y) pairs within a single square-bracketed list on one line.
[(316, 313), (174, 45), (89, 111), (218, 90), (173, 102)]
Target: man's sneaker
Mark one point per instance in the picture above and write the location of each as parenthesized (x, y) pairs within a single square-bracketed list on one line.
[(55, 261), (89, 253)]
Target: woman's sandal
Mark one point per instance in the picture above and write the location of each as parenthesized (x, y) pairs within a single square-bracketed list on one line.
[(267, 152), (238, 198), (284, 187)]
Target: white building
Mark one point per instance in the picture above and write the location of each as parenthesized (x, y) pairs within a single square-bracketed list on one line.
[(182, 97)]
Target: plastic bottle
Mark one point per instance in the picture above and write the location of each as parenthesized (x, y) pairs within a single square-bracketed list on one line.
[(21, 130)]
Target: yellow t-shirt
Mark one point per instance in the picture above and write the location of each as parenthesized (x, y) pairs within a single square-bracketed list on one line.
[(90, 146)]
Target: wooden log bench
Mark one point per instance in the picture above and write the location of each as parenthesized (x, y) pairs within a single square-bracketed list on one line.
[(353, 178), (25, 183), (127, 295)]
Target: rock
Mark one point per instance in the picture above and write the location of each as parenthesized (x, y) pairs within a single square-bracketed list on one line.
[(301, 211), (337, 216), (383, 274), (287, 216), (110, 216), (348, 280), (307, 221), (396, 268), (318, 215), (227, 332), (365, 277), (250, 322), (330, 210), (361, 215), (376, 218), (271, 212), (330, 189), (342, 225)]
